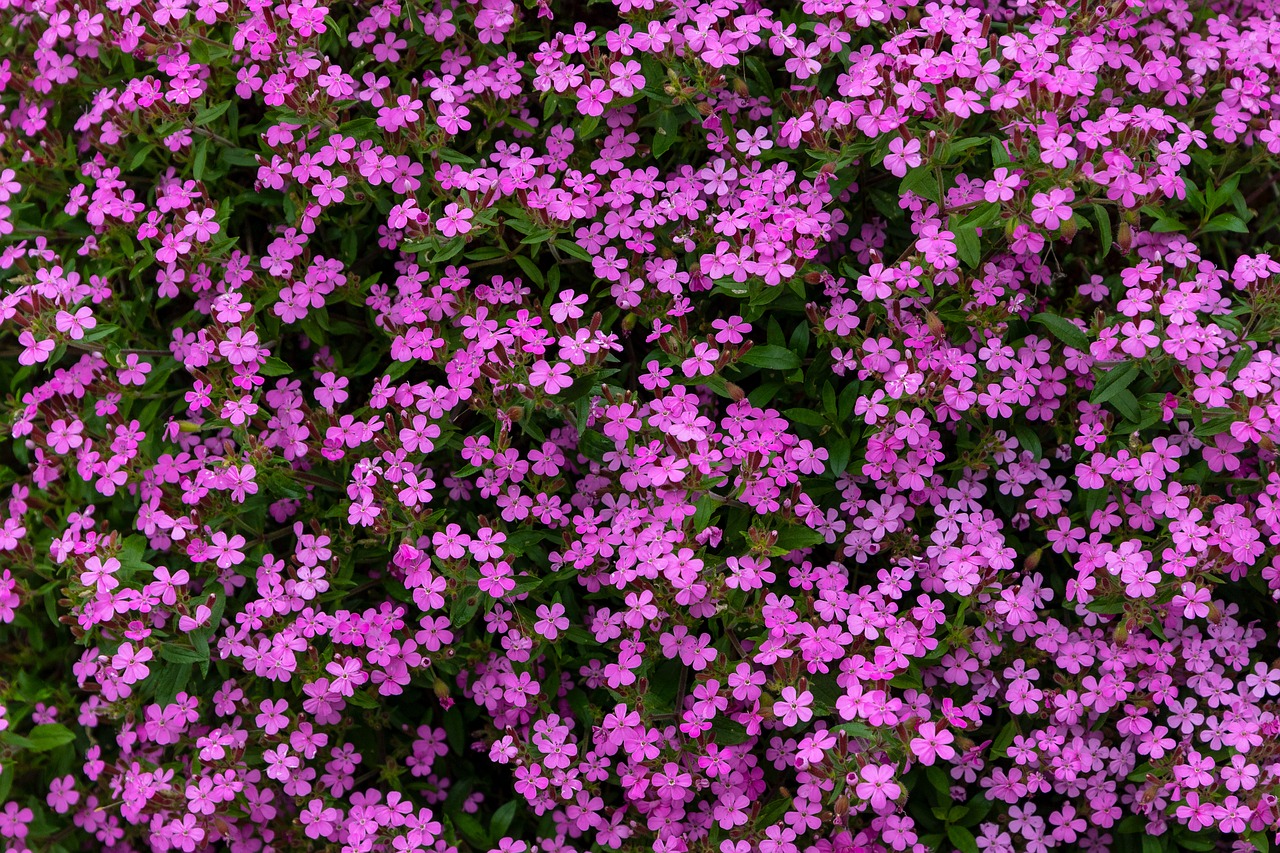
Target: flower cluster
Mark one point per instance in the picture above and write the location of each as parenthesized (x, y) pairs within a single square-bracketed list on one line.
[(698, 426)]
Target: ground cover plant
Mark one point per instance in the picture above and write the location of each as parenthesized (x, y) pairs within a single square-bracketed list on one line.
[(673, 425)]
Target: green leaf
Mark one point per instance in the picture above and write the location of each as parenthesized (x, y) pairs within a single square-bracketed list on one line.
[(706, 505), (140, 157), (361, 699), (808, 417), (726, 731), (131, 556), (208, 114), (182, 654), (962, 838), (1106, 606), (453, 730), (1127, 404), (274, 367), (199, 52), (572, 249), (1225, 222), (49, 736), (1113, 382), (1166, 225), (968, 246), (200, 159), (1213, 426), (237, 157), (1104, 228), (956, 146), (1004, 739), (838, 453), (797, 537), (101, 331), (1064, 330), (908, 679), (470, 829), (983, 215), (464, 607), (920, 181), (1219, 196), (531, 269), (17, 740), (939, 782), (449, 249), (502, 820), (169, 682), (1028, 439), (772, 357), (667, 132), (855, 730)]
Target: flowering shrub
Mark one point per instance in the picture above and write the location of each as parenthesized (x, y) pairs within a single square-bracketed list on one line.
[(687, 425)]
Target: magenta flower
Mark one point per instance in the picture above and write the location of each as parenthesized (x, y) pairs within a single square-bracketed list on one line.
[(793, 707), (551, 378), (131, 663), (932, 743), (1051, 209), (876, 785), (456, 220), (903, 156)]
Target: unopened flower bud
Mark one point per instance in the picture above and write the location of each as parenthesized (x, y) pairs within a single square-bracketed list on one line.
[(935, 324), (1124, 237)]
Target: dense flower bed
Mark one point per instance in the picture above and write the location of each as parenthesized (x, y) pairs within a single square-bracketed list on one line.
[(687, 425)]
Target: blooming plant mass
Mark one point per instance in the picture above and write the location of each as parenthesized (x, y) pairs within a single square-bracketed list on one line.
[(698, 426)]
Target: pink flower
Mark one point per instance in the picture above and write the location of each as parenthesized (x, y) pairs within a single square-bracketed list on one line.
[(903, 156), (877, 785), (932, 743), (551, 378), (793, 706), (456, 220), (63, 437), (551, 620), (226, 551), (131, 663), (1193, 600), (75, 325), (63, 794), (1051, 209), (100, 573), (34, 351), (135, 370)]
